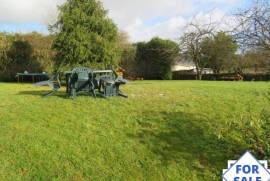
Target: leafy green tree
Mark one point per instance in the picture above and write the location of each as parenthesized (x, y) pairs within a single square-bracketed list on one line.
[(155, 58), (85, 36), (4, 45), (219, 51), (128, 54), (253, 62), (20, 52), (42, 52)]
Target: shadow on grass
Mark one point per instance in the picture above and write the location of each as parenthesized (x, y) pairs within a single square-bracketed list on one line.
[(175, 137), (43, 94), (60, 94)]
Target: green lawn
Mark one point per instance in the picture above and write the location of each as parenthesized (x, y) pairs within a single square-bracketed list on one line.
[(165, 130)]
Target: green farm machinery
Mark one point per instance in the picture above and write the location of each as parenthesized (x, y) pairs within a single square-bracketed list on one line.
[(94, 82), (104, 83)]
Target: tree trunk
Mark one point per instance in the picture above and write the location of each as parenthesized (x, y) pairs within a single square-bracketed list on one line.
[(199, 73), (199, 76), (198, 69)]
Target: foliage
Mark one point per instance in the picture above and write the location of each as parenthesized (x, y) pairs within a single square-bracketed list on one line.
[(191, 45), (42, 52), (4, 46), (128, 55), (128, 60), (219, 51), (253, 61), (85, 36), (155, 58), (20, 52), (159, 133)]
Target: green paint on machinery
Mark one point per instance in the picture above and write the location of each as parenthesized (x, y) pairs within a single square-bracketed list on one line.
[(105, 83), (94, 82), (53, 83)]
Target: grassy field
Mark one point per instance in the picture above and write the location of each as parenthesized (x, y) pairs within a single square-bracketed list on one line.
[(170, 130)]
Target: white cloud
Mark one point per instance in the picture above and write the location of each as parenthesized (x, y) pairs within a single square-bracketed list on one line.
[(142, 19), (218, 18), (132, 16), (28, 11), (175, 26), (168, 29), (122, 10)]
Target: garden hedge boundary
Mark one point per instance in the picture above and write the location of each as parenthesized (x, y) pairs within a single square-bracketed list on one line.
[(221, 77)]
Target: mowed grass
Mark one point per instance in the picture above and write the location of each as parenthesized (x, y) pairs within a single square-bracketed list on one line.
[(165, 130)]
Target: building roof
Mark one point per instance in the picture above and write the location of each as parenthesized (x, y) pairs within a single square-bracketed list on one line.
[(183, 65)]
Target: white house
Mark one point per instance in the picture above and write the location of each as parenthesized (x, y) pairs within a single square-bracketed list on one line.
[(183, 66), (188, 67)]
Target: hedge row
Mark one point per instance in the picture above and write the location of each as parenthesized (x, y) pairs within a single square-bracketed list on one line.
[(222, 77)]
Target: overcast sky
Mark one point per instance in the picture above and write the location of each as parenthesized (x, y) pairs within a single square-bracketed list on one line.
[(142, 19)]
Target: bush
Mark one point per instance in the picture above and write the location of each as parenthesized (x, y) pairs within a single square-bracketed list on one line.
[(20, 52), (154, 59)]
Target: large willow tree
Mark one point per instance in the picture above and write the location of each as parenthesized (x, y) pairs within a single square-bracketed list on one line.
[(85, 36)]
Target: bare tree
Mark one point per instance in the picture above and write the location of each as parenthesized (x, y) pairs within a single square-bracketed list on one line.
[(190, 44), (253, 26)]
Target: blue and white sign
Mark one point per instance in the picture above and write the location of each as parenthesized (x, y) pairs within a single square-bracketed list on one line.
[(247, 168)]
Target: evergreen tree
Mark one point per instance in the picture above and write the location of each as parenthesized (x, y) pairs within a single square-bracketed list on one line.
[(85, 36), (155, 58)]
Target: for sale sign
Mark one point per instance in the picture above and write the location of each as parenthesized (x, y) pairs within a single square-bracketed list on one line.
[(247, 168)]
